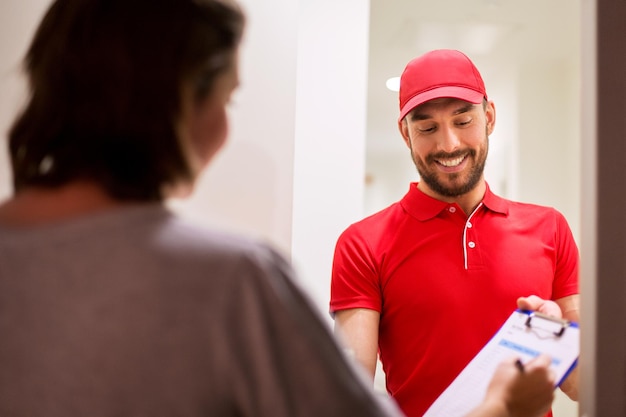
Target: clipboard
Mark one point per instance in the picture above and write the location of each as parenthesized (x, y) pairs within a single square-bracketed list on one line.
[(525, 334)]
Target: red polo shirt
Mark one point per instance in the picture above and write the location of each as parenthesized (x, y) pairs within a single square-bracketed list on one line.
[(437, 276)]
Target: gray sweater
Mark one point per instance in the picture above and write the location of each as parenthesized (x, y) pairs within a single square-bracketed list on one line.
[(136, 312)]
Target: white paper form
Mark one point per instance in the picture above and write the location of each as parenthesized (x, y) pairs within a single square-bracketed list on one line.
[(525, 335)]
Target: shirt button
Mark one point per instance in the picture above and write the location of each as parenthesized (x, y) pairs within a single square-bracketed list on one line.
[(472, 245), (452, 209), (469, 225)]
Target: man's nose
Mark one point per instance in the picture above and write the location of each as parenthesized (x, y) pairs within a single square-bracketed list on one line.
[(448, 140)]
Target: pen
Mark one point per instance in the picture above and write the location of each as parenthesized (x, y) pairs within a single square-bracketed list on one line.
[(519, 365)]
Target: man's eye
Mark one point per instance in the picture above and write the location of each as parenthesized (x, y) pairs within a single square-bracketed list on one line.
[(464, 122), (428, 129)]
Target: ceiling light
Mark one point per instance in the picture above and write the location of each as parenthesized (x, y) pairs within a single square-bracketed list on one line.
[(393, 83)]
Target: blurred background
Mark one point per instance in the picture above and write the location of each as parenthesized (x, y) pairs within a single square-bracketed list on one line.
[(314, 143)]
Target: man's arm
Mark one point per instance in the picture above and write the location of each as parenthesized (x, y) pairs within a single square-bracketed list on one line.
[(357, 329)]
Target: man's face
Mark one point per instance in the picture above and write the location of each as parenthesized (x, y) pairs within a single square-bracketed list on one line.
[(448, 139)]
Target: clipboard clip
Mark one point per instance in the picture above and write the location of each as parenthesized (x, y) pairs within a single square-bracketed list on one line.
[(561, 322)]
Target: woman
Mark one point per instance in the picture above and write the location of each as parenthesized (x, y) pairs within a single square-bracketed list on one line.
[(109, 303)]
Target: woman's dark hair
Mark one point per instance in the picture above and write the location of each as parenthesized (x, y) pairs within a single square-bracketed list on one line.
[(105, 80)]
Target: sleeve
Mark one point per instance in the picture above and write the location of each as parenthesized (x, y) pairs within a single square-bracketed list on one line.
[(355, 281), (288, 363), (566, 276)]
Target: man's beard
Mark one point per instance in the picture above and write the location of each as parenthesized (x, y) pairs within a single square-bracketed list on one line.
[(456, 188)]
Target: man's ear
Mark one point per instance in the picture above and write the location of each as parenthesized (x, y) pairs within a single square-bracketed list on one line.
[(490, 115), (404, 131)]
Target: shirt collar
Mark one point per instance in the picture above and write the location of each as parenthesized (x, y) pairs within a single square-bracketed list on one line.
[(424, 207)]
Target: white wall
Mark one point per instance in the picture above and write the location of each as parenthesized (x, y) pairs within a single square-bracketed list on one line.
[(17, 22), (249, 186), (550, 139), (329, 161)]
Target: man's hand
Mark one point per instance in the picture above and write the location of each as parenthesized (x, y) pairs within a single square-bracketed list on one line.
[(540, 305)]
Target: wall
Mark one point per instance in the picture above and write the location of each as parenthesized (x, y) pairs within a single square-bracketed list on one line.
[(248, 188), (550, 140), (17, 21), (330, 134)]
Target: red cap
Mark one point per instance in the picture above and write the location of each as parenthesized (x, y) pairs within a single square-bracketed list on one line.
[(437, 74)]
